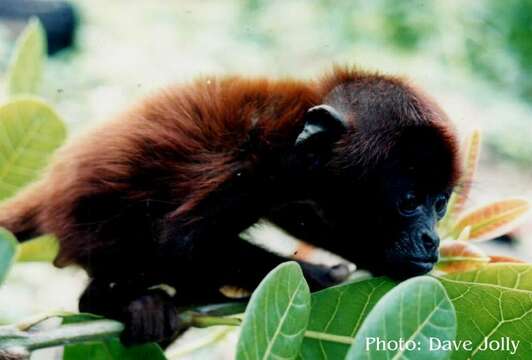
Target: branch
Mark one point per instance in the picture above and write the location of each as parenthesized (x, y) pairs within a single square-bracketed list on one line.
[(11, 337)]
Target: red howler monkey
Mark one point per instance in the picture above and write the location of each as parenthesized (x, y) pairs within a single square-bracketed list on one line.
[(160, 194)]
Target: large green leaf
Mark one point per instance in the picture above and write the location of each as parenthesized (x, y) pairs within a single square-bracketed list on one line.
[(493, 303), (337, 314), (277, 316), (108, 349), (8, 248), (29, 132), (414, 312), (25, 70)]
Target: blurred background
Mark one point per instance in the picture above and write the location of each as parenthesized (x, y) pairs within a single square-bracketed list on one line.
[(475, 57)]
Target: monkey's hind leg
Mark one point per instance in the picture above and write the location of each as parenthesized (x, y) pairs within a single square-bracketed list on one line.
[(148, 315)]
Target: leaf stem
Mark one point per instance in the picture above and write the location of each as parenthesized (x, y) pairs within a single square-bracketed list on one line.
[(202, 321), (329, 337)]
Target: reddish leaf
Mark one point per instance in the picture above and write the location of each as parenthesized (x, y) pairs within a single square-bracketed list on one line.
[(492, 220), (458, 256), (460, 195), (505, 259)]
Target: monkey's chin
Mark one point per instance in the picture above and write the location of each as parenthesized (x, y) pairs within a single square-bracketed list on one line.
[(405, 269), (421, 267), (412, 268)]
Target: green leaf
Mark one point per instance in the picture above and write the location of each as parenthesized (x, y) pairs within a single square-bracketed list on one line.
[(44, 248), (413, 312), (29, 132), (277, 316), (25, 69), (337, 314), (8, 248), (491, 303), (108, 349), (112, 349)]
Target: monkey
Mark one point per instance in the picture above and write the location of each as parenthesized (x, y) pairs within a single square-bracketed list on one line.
[(356, 162)]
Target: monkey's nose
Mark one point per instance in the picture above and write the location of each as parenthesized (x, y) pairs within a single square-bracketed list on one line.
[(430, 240)]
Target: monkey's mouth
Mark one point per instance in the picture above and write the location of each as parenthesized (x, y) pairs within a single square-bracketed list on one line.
[(420, 266), (423, 265), (401, 268)]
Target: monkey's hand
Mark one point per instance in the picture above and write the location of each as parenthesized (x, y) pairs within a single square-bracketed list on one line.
[(320, 277), (151, 317)]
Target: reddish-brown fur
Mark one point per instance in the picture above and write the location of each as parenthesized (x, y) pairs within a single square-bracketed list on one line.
[(194, 131)]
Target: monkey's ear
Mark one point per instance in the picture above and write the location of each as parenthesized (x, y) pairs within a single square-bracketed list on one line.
[(322, 121)]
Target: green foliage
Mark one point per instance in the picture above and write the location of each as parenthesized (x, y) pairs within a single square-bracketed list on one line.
[(500, 43), (43, 248), (490, 303), (108, 348), (493, 302), (414, 311), (112, 349), (277, 316), (8, 248), (408, 23), (337, 314), (25, 70), (30, 131)]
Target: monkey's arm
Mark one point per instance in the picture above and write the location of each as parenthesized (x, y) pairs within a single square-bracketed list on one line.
[(302, 220), (248, 264)]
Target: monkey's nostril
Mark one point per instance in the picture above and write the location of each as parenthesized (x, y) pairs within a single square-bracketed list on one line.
[(430, 242)]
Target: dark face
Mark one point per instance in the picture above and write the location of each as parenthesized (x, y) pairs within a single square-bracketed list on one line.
[(392, 231), (403, 200), (410, 211), (386, 221)]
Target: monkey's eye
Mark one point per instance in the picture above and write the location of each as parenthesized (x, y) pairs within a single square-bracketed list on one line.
[(408, 204), (440, 205)]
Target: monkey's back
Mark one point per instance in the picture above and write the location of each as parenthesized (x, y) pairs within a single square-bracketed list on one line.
[(106, 191)]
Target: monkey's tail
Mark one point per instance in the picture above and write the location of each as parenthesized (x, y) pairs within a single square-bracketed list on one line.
[(20, 214)]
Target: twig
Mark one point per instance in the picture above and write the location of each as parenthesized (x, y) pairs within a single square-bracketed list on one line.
[(11, 337)]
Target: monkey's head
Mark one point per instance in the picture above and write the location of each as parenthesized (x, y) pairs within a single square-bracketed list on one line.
[(409, 191), (390, 164)]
